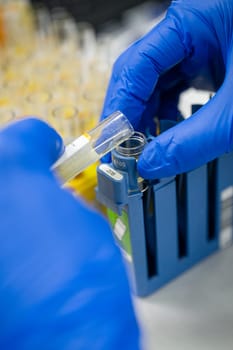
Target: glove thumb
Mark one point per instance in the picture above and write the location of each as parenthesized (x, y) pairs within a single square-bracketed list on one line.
[(204, 136), (29, 143)]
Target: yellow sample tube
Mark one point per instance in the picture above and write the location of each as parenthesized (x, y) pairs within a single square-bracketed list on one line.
[(91, 146)]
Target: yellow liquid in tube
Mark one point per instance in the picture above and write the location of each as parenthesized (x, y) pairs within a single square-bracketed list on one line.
[(91, 146), (77, 156)]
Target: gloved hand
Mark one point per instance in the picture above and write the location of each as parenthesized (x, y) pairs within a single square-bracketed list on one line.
[(192, 46), (62, 281)]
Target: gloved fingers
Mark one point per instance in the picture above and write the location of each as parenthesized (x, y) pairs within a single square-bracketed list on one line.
[(195, 141), (29, 142), (136, 72)]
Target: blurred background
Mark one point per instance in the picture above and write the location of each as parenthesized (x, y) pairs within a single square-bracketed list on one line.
[(56, 59), (98, 13), (56, 56)]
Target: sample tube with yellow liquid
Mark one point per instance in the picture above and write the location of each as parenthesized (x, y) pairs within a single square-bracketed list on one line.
[(92, 145)]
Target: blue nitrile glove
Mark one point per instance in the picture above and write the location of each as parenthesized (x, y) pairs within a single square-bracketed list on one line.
[(62, 281), (192, 46)]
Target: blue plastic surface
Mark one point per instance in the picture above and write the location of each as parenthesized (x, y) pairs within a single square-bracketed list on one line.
[(186, 218)]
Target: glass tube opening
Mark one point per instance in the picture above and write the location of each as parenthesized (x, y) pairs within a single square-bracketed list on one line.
[(132, 147)]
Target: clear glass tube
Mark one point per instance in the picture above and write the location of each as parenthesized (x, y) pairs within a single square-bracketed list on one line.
[(91, 146), (132, 147)]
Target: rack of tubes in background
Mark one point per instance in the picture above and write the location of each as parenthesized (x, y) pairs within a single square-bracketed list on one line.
[(50, 68), (56, 68)]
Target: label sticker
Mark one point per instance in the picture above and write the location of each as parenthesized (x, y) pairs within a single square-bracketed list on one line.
[(119, 229), (111, 172), (226, 219), (120, 225), (72, 148)]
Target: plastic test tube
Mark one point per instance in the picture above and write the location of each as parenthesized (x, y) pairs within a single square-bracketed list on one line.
[(91, 146)]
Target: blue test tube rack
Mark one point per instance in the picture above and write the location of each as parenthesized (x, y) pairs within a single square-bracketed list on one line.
[(171, 225)]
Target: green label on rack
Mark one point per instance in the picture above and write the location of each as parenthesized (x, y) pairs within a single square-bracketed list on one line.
[(120, 225)]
